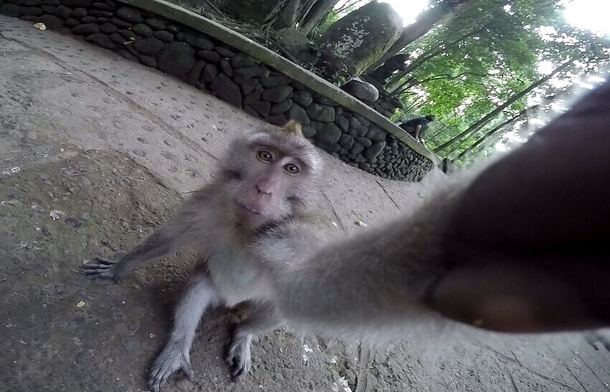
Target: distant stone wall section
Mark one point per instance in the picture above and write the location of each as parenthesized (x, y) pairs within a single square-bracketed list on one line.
[(338, 123), (386, 104)]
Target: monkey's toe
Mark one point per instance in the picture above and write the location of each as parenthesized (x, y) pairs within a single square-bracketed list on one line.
[(240, 369), (240, 362), (167, 364)]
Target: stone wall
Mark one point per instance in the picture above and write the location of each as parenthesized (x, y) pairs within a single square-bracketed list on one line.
[(236, 78), (386, 104)]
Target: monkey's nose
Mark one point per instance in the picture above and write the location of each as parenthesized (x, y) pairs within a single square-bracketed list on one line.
[(263, 190), (265, 185)]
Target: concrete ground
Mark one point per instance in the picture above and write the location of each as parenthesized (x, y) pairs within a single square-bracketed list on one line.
[(95, 151)]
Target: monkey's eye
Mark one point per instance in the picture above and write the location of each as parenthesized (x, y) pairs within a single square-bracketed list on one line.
[(291, 169), (264, 156)]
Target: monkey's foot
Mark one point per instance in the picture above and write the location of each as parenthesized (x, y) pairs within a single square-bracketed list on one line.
[(103, 269), (172, 358), (238, 356)]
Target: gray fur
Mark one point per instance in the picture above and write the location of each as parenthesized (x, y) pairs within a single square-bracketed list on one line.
[(237, 261), (371, 287), (368, 287)]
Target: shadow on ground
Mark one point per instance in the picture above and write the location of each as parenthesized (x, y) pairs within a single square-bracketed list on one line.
[(95, 152), (64, 332)]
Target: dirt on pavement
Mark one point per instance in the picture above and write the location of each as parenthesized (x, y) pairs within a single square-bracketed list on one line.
[(95, 152)]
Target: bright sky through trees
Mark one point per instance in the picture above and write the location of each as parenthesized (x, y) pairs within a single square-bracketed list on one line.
[(408, 9), (591, 15), (587, 14)]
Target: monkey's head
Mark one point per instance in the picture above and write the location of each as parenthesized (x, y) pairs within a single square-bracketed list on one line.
[(270, 175)]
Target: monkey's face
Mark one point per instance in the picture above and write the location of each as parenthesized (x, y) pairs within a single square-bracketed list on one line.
[(269, 178)]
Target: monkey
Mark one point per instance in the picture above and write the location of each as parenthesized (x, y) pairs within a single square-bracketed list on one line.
[(258, 215), (518, 245), (515, 245), (393, 64)]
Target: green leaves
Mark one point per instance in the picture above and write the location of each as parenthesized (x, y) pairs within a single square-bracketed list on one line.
[(472, 71)]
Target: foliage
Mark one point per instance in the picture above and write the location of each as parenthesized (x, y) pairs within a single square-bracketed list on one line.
[(341, 9), (479, 65), (345, 7), (331, 18), (488, 53)]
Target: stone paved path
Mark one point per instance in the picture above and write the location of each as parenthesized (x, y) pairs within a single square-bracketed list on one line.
[(95, 151)]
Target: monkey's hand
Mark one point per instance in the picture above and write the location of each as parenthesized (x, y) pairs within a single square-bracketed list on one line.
[(103, 269), (174, 357)]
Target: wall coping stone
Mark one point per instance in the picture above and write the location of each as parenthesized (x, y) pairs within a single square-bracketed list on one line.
[(288, 68)]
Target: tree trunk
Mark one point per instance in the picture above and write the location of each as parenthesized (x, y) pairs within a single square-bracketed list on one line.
[(440, 129), (490, 133), (352, 4), (426, 20), (531, 111), (288, 15), (404, 85), (304, 10), (320, 9), (482, 122), (442, 48)]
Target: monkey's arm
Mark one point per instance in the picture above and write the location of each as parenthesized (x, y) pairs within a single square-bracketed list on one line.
[(534, 228), (375, 282), (516, 249), (157, 245), (174, 235)]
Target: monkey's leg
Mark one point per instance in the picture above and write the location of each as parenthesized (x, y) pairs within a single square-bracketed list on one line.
[(262, 317), (159, 244), (199, 295)]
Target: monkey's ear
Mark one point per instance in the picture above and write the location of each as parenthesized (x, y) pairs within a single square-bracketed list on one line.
[(293, 128)]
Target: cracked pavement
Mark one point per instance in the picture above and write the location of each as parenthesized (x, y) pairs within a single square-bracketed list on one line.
[(96, 151)]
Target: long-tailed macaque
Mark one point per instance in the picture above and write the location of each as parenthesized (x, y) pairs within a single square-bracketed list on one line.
[(258, 216), (519, 246)]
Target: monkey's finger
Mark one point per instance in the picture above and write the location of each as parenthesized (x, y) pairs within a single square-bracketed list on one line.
[(188, 371), (154, 377), (238, 374), (239, 369), (230, 358), (155, 383), (156, 387), (159, 376), (100, 267), (97, 272), (105, 261), (96, 267), (236, 371)]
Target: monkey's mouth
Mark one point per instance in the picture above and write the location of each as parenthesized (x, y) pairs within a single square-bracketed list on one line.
[(251, 210)]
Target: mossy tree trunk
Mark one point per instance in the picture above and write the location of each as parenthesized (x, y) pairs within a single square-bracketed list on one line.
[(318, 11), (442, 12), (491, 115)]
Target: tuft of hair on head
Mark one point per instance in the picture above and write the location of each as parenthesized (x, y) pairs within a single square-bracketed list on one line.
[(293, 128)]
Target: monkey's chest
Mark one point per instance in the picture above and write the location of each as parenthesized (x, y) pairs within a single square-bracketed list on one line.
[(235, 275)]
